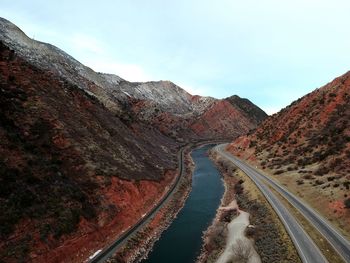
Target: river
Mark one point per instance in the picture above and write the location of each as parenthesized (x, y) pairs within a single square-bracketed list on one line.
[(182, 241)]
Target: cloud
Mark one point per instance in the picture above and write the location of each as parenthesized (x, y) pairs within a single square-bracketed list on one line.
[(194, 90), (88, 50), (85, 43), (130, 72), (271, 109)]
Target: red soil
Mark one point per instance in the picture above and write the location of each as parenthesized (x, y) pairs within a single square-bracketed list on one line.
[(93, 236)]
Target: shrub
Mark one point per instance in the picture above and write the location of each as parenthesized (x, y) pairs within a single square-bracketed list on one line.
[(321, 171), (227, 215), (308, 176), (68, 220), (319, 182), (299, 182), (279, 172), (216, 238), (347, 203), (238, 188), (250, 231), (252, 144), (346, 185), (241, 251)]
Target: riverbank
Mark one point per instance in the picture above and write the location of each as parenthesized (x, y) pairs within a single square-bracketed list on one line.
[(272, 242), (238, 247), (182, 241), (138, 246)]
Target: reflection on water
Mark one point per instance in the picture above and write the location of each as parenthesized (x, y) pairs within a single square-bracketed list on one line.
[(181, 242)]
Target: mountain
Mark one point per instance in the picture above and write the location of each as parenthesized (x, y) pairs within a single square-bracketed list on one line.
[(65, 159), (161, 104), (84, 154), (307, 147), (313, 130), (247, 108)]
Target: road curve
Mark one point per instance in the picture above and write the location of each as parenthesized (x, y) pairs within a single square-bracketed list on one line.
[(340, 244), (307, 250), (112, 248)]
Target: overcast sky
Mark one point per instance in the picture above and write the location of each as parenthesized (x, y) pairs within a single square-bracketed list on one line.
[(269, 51)]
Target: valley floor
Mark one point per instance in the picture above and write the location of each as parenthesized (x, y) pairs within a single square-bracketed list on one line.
[(314, 193), (325, 193)]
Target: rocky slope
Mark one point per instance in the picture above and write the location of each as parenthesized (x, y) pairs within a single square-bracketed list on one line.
[(248, 109), (307, 146), (64, 158), (161, 104), (83, 154), (313, 130)]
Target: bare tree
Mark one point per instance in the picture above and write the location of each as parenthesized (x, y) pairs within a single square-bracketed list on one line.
[(241, 251)]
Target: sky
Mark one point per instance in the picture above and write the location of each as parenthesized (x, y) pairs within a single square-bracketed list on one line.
[(269, 51)]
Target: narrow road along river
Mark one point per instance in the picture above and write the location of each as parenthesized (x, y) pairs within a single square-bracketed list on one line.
[(182, 241)]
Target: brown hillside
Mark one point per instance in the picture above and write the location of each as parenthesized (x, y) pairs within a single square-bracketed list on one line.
[(307, 147), (61, 154), (313, 129)]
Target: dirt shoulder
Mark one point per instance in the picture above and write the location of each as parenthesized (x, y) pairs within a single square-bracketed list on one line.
[(324, 193)]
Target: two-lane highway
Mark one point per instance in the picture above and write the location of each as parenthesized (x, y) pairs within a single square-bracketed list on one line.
[(306, 248), (340, 244)]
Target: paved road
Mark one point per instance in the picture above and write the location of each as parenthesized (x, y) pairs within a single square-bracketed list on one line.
[(112, 248), (308, 251), (340, 244)]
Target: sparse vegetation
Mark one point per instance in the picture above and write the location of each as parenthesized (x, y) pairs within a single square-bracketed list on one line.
[(59, 153), (241, 251), (262, 218), (279, 172), (299, 181), (319, 182), (309, 140)]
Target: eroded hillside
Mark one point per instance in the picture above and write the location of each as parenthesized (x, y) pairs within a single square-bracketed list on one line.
[(307, 147), (62, 152)]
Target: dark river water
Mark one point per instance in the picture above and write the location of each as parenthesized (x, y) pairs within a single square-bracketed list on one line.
[(181, 242)]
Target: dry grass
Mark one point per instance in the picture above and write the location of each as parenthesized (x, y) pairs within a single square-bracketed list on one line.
[(326, 198), (254, 194), (326, 248)]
